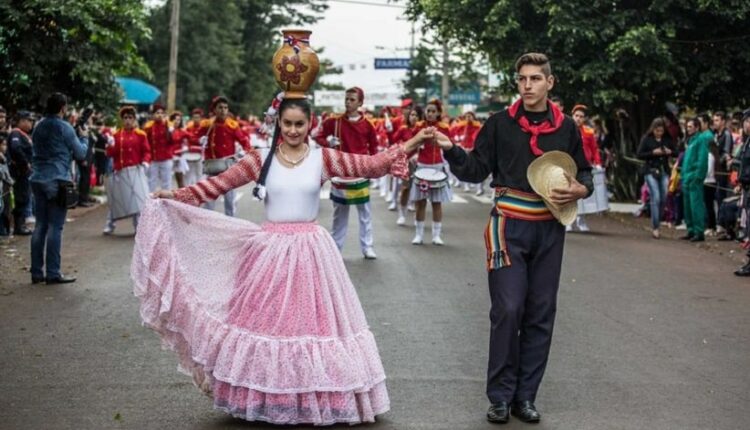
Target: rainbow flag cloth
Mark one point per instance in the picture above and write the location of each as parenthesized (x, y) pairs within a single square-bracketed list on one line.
[(351, 191)]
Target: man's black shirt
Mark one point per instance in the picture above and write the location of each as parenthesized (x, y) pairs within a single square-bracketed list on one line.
[(502, 149)]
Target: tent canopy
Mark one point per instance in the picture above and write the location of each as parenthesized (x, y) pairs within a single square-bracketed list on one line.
[(137, 92)]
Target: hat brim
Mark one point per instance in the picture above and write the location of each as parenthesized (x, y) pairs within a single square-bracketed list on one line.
[(547, 173)]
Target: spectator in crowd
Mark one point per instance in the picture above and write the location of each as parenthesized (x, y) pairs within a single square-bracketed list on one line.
[(55, 143), (693, 170), (655, 149), (99, 138), (84, 176), (710, 184), (725, 144), (744, 179), (3, 120), (20, 167), (6, 181)]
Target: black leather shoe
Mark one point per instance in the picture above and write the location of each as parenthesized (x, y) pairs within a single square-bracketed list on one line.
[(498, 413), (22, 231), (686, 237), (743, 271), (698, 239), (36, 280), (62, 279), (525, 411), (725, 238), (84, 204)]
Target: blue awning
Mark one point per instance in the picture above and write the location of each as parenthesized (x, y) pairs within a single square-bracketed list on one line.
[(137, 92)]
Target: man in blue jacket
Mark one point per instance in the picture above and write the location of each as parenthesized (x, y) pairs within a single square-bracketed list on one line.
[(55, 143)]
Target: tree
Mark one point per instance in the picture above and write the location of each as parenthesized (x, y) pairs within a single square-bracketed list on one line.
[(613, 54), (225, 48), (76, 47)]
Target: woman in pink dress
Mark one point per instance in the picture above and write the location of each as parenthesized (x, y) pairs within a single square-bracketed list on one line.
[(265, 318)]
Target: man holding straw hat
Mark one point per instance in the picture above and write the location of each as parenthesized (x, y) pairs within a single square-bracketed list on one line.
[(539, 171)]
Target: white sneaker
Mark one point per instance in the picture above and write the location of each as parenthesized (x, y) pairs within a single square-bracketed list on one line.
[(417, 240), (108, 230), (437, 241), (369, 254), (411, 208), (401, 220), (392, 206), (383, 192), (480, 191), (467, 188), (681, 227), (568, 228), (583, 228), (389, 197)]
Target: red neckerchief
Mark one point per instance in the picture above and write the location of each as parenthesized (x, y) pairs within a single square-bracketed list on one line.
[(23, 133), (537, 129)]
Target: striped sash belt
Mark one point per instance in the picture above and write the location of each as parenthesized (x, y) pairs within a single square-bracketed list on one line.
[(510, 203)]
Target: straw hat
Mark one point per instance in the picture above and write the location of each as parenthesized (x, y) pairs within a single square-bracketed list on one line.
[(548, 172)]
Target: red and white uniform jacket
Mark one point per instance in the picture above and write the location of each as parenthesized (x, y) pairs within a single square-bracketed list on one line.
[(182, 139), (430, 152), (221, 137), (590, 148), (131, 148), (357, 137), (160, 139), (194, 129), (335, 164), (464, 133)]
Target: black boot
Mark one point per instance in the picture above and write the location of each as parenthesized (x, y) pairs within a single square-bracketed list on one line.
[(744, 270), (499, 413)]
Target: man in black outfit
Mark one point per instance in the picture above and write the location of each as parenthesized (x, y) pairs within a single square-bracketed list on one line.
[(19, 148), (524, 241)]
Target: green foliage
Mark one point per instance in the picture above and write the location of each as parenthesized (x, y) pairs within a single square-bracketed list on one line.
[(225, 48), (76, 47), (613, 54)]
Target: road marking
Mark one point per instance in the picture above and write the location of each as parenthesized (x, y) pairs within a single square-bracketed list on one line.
[(458, 199), (482, 199)]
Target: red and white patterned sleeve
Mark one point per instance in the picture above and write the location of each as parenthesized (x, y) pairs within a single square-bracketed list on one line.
[(345, 165), (245, 171)]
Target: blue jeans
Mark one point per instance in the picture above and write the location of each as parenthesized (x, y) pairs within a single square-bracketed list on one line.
[(657, 191), (50, 218)]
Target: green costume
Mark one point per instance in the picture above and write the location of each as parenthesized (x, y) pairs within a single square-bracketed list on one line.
[(693, 171)]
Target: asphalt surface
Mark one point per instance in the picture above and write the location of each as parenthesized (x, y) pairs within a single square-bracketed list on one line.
[(650, 334)]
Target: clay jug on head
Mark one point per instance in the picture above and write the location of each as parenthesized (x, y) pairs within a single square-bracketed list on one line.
[(295, 64)]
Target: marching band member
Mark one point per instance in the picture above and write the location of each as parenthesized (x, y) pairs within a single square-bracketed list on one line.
[(181, 138), (162, 149), (591, 151), (406, 132), (430, 157), (130, 147), (195, 150), (218, 136), (352, 133)]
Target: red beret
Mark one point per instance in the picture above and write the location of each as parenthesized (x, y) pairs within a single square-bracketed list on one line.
[(583, 108), (360, 93), (157, 106), (197, 111)]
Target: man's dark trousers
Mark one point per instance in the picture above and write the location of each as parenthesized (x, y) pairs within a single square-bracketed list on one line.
[(524, 301)]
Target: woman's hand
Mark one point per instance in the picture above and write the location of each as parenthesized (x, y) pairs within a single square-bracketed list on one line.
[(163, 194)]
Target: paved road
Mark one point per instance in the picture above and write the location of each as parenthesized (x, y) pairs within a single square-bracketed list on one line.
[(650, 335)]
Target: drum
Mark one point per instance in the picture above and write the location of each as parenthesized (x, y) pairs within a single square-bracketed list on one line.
[(127, 190), (214, 166), (598, 201), (192, 157), (350, 191), (431, 177)]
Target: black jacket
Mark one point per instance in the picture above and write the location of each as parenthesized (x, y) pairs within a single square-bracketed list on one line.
[(655, 162), (502, 149)]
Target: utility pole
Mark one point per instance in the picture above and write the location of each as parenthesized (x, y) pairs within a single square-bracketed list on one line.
[(446, 83), (174, 29)]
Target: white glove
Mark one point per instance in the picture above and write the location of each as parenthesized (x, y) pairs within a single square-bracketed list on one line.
[(110, 140), (203, 141), (171, 129), (145, 165), (333, 141)]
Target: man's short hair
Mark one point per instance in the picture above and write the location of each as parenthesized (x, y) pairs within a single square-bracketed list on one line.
[(721, 114), (703, 116), (55, 103), (534, 59)]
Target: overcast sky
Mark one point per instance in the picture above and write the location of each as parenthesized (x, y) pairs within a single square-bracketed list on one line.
[(350, 33)]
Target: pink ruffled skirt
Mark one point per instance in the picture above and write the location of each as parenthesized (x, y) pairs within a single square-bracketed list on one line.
[(265, 319)]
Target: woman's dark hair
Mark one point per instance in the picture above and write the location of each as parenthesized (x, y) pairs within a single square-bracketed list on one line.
[(301, 104), (420, 114), (55, 103), (656, 123)]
